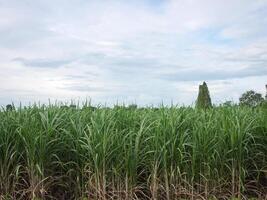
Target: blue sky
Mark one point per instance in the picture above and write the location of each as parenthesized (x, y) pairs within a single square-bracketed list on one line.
[(144, 52)]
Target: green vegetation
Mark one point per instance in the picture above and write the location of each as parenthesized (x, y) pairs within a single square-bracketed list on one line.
[(166, 153), (251, 98), (9, 107), (203, 99)]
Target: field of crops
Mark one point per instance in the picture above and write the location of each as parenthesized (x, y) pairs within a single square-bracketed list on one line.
[(53, 152)]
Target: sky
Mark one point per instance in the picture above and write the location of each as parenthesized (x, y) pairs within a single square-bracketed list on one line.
[(145, 52)]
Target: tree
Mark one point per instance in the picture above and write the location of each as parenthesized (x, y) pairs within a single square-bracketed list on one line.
[(251, 98), (72, 106), (228, 104), (132, 106), (9, 107), (203, 99)]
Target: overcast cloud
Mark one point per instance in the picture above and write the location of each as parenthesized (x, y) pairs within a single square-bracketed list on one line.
[(132, 51)]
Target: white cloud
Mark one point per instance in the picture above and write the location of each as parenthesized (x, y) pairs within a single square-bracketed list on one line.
[(120, 50)]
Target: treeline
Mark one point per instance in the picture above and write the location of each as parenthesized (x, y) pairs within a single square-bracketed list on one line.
[(249, 98)]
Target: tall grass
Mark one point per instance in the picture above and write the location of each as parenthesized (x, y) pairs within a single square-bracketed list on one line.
[(52, 152)]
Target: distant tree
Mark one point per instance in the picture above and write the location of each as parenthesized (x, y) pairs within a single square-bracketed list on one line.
[(64, 107), (73, 106), (203, 99), (228, 103), (251, 98), (92, 108), (9, 107), (132, 106), (119, 107)]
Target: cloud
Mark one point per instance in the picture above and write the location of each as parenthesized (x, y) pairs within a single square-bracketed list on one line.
[(130, 50), (42, 63), (193, 75), (84, 88), (223, 63)]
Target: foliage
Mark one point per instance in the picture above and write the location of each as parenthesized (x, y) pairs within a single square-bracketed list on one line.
[(251, 98), (228, 103), (72, 106), (264, 104), (9, 107), (203, 99), (132, 106), (167, 153)]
